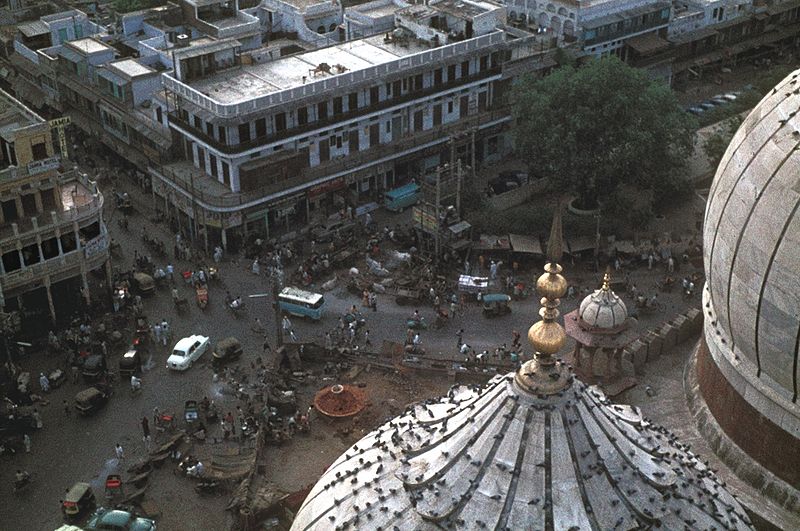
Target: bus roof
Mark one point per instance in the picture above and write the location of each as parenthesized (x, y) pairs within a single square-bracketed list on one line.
[(291, 292), (407, 189)]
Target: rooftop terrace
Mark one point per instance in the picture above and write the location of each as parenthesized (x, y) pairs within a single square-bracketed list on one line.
[(247, 82)]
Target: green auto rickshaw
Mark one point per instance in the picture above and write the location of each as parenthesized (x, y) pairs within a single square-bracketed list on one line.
[(495, 304)]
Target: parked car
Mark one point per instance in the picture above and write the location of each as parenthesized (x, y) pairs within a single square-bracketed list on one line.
[(696, 110), (115, 519), (325, 233), (91, 400), (94, 367), (79, 498), (707, 105), (719, 100), (730, 96), (187, 351), (507, 181)]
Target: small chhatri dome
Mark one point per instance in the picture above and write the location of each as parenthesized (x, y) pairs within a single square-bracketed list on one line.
[(603, 309)]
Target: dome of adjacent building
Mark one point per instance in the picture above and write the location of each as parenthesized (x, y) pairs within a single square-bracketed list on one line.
[(603, 309), (500, 457), (752, 246)]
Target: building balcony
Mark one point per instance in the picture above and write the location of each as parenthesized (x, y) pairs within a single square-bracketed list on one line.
[(93, 253), (82, 202), (333, 120), (212, 195)]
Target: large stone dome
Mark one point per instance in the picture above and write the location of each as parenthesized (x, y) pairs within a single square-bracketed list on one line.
[(500, 457), (752, 264)]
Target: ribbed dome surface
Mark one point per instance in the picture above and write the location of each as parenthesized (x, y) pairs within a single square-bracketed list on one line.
[(603, 309), (752, 242), (501, 458)]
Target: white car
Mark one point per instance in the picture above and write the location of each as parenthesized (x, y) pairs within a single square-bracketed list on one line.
[(186, 352)]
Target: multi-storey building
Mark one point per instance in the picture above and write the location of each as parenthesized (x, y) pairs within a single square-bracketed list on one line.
[(52, 233), (272, 141)]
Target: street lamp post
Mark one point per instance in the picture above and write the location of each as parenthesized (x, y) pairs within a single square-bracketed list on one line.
[(276, 284)]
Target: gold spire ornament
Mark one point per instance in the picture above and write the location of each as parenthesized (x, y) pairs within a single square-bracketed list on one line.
[(544, 374)]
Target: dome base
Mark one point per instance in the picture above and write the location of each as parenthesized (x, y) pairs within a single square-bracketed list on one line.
[(757, 450)]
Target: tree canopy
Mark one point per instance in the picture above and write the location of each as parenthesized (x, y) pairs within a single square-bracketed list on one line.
[(602, 130)]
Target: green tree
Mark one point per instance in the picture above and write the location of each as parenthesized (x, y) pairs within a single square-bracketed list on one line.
[(716, 144), (597, 127)]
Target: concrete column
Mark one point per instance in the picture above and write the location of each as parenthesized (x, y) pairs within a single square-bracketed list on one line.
[(50, 299), (109, 278), (224, 239), (2, 217), (18, 204), (37, 197), (85, 284)]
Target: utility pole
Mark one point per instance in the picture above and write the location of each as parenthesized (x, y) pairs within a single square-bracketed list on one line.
[(458, 188), (275, 283), (438, 206)]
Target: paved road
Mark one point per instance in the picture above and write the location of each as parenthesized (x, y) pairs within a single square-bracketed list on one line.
[(82, 449)]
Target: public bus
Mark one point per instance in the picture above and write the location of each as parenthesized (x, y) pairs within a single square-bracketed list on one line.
[(400, 198), (301, 303)]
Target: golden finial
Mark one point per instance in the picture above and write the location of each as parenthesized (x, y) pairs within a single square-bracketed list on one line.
[(607, 280), (544, 375)]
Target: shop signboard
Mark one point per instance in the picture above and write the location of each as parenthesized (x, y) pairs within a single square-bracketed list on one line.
[(326, 187), (424, 219)]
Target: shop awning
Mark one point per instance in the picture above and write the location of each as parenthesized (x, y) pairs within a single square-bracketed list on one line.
[(647, 43), (489, 242), (525, 244), (578, 245)]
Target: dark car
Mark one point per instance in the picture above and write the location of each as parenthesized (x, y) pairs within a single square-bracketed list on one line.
[(325, 233), (130, 363), (91, 400), (16, 424), (94, 367), (507, 181)]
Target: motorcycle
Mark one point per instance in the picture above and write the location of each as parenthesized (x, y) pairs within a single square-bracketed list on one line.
[(417, 324), (236, 306), (136, 385), (22, 482), (208, 487)]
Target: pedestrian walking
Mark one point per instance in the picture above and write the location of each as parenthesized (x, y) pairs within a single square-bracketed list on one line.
[(417, 339), (104, 348), (156, 414), (37, 419), (293, 336), (164, 332), (515, 339), (67, 410), (351, 333), (453, 308), (459, 336), (256, 268), (44, 383), (437, 303), (157, 332), (650, 259), (493, 270), (266, 346), (120, 452), (328, 342), (26, 440), (287, 324), (373, 302), (75, 371), (367, 342), (171, 273), (146, 433), (671, 265)]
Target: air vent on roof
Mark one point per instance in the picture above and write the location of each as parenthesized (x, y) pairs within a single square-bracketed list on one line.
[(182, 40)]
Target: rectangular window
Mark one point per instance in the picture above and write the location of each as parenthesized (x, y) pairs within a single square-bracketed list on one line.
[(210, 129), (451, 72), (484, 63), (280, 122), (352, 101), (389, 127), (337, 105), (437, 77), (212, 159), (396, 91), (418, 82), (374, 95), (198, 123), (302, 116), (322, 110), (450, 106), (261, 127), (39, 151), (465, 69), (244, 132), (221, 132)]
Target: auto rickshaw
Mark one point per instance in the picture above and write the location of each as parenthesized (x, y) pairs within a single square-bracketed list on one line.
[(92, 399), (79, 499), (191, 415), (202, 296), (495, 304), (144, 283), (227, 349), (130, 363)]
